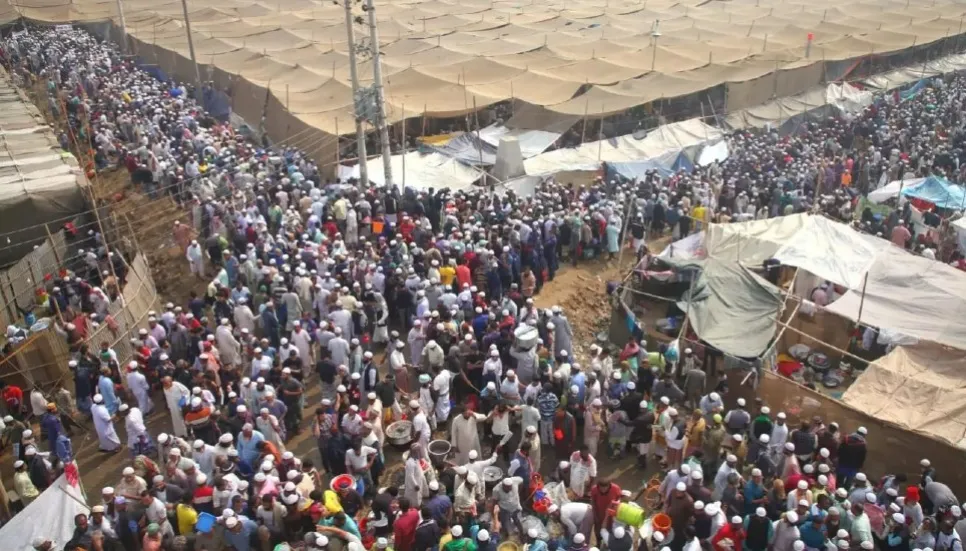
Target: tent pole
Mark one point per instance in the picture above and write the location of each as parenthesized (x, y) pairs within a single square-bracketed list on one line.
[(404, 146), (623, 236), (865, 281)]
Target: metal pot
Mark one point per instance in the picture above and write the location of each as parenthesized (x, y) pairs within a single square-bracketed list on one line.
[(399, 433)]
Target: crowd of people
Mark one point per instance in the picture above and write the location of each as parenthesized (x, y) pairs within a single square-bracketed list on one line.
[(415, 309)]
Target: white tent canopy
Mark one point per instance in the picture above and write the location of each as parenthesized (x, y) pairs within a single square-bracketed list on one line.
[(665, 139), (51, 516), (423, 171), (904, 293)]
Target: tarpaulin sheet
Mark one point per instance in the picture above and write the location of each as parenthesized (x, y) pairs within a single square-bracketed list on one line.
[(832, 251), (665, 139), (467, 149), (532, 142), (665, 165), (423, 171), (733, 308), (912, 295), (935, 190), (920, 388), (49, 516)]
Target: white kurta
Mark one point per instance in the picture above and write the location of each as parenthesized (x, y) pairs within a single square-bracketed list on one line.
[(415, 483), (134, 426), (303, 343), (244, 318), (268, 430), (141, 389), (441, 385), (172, 396), (106, 435), (465, 436), (228, 346)]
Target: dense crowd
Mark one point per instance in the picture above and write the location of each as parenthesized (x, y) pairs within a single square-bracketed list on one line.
[(415, 309)]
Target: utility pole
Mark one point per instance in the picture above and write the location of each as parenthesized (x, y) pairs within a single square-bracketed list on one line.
[(354, 75), (120, 16), (191, 50), (380, 96)]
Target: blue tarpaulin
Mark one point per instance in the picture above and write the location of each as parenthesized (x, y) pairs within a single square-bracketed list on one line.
[(938, 191), (665, 165)]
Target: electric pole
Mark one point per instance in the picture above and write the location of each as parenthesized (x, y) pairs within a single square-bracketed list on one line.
[(380, 96), (120, 17), (354, 75), (191, 50)]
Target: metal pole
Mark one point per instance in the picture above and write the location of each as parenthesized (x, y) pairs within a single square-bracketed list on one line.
[(354, 76), (191, 48), (404, 146), (380, 95), (120, 16)]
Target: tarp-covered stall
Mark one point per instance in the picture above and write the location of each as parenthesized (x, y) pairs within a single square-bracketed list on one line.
[(423, 171), (935, 190), (920, 388), (49, 516), (39, 182)]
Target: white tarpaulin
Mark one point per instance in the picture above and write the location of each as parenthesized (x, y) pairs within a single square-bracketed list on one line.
[(665, 139), (423, 171), (532, 142), (751, 243), (832, 251), (51, 516), (912, 295), (892, 189), (717, 152), (689, 248)]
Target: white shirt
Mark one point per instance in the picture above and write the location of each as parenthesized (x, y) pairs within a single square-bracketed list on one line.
[(359, 462)]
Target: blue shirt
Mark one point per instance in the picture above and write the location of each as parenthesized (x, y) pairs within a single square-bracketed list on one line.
[(349, 525), (248, 448), (240, 540), (811, 536), (439, 505)]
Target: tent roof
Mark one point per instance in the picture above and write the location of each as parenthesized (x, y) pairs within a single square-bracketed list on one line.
[(39, 182), (921, 388)]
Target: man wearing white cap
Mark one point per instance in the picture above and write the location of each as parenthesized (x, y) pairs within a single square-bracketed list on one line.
[(465, 435), (176, 395), (137, 383), (133, 425), (507, 497), (104, 426), (416, 485)]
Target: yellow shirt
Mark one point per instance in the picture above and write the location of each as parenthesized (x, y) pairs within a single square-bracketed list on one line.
[(447, 537), (700, 213), (187, 517), (446, 275)]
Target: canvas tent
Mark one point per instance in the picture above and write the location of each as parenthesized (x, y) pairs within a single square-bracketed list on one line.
[(938, 191), (664, 140), (786, 114), (50, 515), (423, 171), (904, 293), (920, 388), (39, 182)]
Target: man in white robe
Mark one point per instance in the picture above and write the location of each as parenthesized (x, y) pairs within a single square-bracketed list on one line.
[(465, 435), (138, 384), (228, 347), (303, 342), (441, 384), (422, 432), (133, 424), (415, 481), (174, 393), (244, 318), (104, 426)]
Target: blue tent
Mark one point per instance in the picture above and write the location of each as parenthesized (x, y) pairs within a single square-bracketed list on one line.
[(665, 165), (938, 191)]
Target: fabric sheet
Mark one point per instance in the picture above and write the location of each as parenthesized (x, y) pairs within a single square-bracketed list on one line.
[(51, 515), (920, 388)]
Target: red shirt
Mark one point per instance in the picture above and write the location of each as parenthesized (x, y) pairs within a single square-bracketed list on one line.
[(601, 501), (735, 534), (203, 496), (13, 397), (404, 530), (463, 275)]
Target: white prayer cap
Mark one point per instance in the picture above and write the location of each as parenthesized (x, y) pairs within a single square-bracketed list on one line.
[(457, 531), (791, 517), (578, 538)]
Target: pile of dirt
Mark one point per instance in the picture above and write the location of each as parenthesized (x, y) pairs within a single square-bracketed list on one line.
[(150, 222), (582, 293)]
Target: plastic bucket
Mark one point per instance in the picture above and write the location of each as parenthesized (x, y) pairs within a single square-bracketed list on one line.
[(630, 514), (661, 523), (342, 481), (206, 521)]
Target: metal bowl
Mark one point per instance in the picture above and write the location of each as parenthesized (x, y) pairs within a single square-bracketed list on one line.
[(399, 433), (492, 474)]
